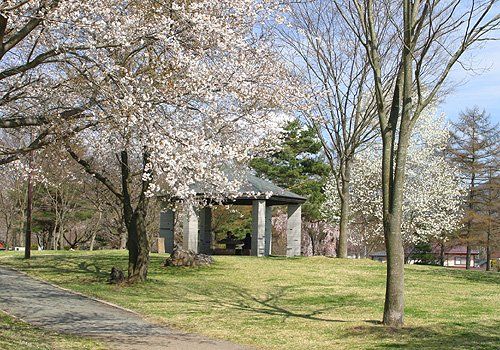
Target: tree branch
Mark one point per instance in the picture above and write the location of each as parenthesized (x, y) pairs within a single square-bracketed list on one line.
[(90, 170)]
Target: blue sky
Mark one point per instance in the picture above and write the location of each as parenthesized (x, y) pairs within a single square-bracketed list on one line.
[(481, 87)]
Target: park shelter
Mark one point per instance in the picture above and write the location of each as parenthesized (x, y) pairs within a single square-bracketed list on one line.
[(262, 195)]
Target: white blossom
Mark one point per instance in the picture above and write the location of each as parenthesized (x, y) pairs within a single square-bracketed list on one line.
[(432, 195)]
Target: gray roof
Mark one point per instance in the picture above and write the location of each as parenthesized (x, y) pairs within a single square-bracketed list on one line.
[(253, 187)]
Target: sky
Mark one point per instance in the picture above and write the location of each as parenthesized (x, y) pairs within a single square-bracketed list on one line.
[(481, 87)]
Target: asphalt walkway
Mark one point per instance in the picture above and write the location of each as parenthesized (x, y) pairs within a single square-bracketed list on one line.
[(50, 307)]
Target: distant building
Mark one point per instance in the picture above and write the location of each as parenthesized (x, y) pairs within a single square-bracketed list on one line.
[(456, 257), (379, 256), (494, 262)]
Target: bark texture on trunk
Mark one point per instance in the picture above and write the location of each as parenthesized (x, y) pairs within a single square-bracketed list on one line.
[(394, 293), (441, 254), (345, 210), (393, 178), (467, 257), (488, 248), (138, 247), (135, 221), (29, 211)]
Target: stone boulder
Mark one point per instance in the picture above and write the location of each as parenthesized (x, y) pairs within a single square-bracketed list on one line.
[(180, 257), (116, 276)]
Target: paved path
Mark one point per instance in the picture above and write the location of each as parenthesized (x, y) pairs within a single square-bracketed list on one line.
[(50, 307)]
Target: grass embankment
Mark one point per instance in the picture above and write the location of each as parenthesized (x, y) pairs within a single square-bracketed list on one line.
[(302, 303), (17, 335)]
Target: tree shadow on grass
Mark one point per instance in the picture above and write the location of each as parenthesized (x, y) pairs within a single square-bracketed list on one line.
[(433, 337), (472, 276), (96, 267), (277, 303), (93, 266)]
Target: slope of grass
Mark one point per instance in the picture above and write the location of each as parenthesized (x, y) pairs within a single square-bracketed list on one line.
[(301, 303), (17, 335)]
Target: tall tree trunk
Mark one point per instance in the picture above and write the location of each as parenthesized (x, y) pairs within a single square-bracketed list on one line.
[(138, 247), (313, 243), (441, 253), (55, 230), (7, 236), (467, 257), (344, 210), (60, 236), (488, 246), (92, 241), (469, 221), (135, 221), (392, 217), (393, 178), (123, 238), (29, 210), (94, 233)]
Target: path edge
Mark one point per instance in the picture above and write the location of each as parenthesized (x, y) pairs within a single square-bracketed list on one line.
[(74, 292)]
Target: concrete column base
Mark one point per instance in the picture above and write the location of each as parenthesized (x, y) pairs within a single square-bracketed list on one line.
[(258, 227), (167, 230), (190, 230), (293, 230)]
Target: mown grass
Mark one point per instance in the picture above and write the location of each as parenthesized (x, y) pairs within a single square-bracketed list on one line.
[(300, 303), (18, 335)]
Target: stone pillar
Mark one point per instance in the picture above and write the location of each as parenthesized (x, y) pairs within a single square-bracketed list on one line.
[(205, 231), (258, 226), (293, 228), (190, 230), (167, 229), (268, 236)]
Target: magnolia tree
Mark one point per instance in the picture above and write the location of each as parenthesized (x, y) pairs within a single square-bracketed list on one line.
[(433, 191)]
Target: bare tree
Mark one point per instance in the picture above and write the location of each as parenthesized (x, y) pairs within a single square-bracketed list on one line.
[(426, 38), (327, 56)]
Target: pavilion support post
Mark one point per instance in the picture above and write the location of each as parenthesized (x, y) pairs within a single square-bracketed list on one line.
[(268, 236), (293, 230), (167, 229), (190, 230), (205, 231), (258, 227)]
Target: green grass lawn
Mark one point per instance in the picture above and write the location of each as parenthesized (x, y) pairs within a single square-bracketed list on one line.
[(300, 303), (17, 335)]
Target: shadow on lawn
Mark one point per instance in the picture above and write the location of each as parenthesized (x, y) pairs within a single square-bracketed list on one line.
[(434, 337), (472, 276), (272, 303), (95, 267), (92, 268)]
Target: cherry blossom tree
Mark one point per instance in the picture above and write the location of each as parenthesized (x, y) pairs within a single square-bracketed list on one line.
[(148, 97), (191, 102), (40, 43)]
